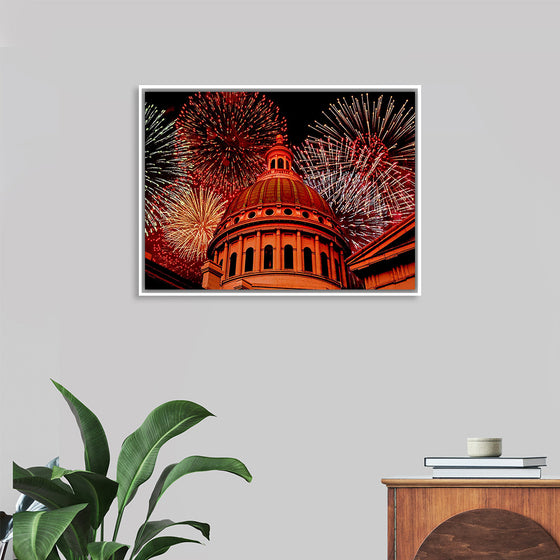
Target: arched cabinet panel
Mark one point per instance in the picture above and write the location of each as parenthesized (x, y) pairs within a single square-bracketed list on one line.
[(488, 534)]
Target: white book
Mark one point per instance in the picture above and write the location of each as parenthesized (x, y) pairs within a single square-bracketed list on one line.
[(527, 472), (467, 462)]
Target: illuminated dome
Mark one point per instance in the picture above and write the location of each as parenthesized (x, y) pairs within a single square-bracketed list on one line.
[(277, 234), (275, 190)]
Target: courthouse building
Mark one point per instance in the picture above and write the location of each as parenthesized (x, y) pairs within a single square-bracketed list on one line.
[(277, 234), (280, 234)]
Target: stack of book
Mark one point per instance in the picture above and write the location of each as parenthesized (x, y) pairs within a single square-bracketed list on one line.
[(485, 467)]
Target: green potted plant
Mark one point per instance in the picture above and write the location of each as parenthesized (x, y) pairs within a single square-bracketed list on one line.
[(77, 501)]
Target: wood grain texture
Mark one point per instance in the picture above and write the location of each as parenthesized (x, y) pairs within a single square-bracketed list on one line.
[(419, 510), (489, 534), (391, 524)]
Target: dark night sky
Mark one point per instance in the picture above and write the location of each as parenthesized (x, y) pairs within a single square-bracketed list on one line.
[(300, 108)]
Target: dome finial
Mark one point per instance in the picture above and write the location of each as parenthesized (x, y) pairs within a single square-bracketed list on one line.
[(279, 139)]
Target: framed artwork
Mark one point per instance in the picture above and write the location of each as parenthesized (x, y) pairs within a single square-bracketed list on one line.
[(279, 191)]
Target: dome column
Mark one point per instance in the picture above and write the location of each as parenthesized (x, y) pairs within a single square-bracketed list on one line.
[(278, 260), (299, 264), (258, 253), (343, 271), (226, 260), (317, 256), (332, 273), (239, 264)]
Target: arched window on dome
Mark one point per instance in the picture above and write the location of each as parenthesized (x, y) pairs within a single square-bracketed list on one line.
[(280, 163), (268, 256), (249, 259), (288, 257), (232, 264), (307, 260), (324, 265), (272, 164), (337, 270), (288, 164)]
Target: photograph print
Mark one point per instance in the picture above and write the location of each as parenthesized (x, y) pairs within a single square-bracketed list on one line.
[(299, 191)]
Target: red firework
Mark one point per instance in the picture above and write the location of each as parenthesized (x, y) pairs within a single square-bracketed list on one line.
[(162, 253), (227, 135)]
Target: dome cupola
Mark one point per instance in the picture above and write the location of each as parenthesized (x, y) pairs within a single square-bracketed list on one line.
[(279, 157)]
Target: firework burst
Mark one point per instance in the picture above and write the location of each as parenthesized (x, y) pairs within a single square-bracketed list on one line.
[(161, 252), (227, 134), (191, 221), (387, 131), (361, 213), (165, 166), (372, 144)]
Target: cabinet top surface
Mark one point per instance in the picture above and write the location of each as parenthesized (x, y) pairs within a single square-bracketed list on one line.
[(470, 482)]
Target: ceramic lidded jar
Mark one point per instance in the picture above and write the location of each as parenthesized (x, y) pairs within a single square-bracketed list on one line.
[(484, 447)]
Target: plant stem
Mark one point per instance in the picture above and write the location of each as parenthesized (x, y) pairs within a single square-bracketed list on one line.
[(141, 532), (117, 524)]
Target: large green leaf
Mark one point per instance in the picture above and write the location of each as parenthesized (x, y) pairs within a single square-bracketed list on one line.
[(36, 533), (149, 530), (25, 503), (140, 449), (196, 463), (160, 546), (47, 474), (106, 549), (95, 489), (54, 494), (96, 448), (51, 493)]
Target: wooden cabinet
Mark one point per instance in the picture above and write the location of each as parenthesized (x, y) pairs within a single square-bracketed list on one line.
[(507, 518)]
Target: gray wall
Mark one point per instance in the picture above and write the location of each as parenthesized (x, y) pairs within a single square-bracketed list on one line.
[(320, 397)]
